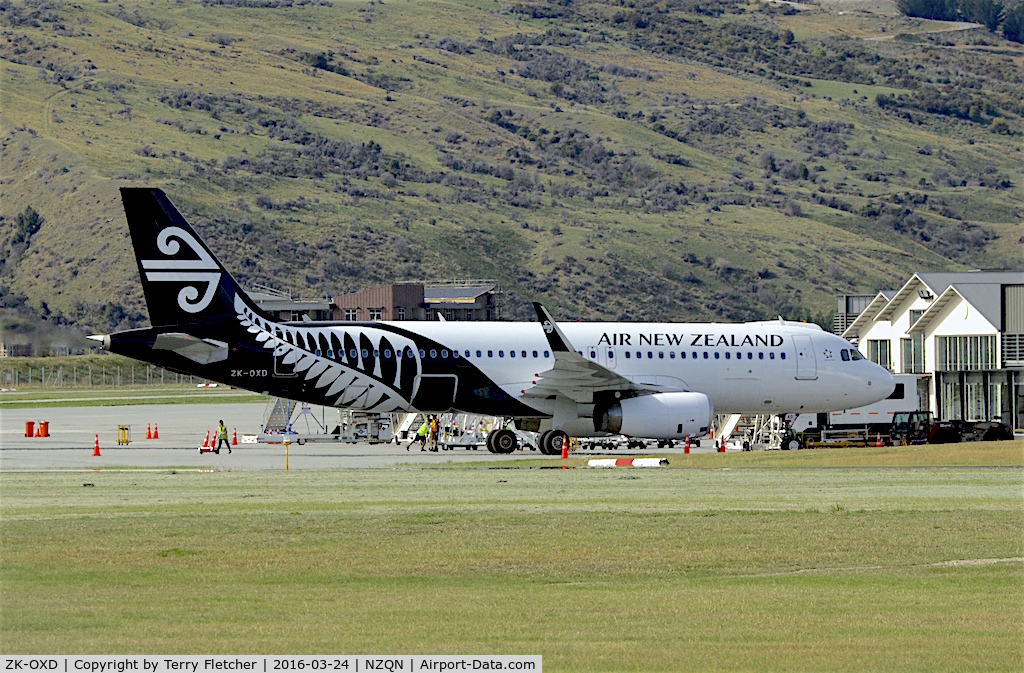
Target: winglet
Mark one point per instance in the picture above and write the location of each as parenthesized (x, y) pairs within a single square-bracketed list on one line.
[(556, 339)]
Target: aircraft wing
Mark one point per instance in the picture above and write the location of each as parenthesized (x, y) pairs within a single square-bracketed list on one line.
[(572, 376)]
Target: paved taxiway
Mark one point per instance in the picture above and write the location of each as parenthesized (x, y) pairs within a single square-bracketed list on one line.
[(182, 428)]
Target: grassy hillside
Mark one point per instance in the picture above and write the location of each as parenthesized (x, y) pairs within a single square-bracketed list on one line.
[(677, 160)]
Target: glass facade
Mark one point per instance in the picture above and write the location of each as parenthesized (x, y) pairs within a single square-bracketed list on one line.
[(880, 352), (950, 396), (982, 396), (966, 353), (913, 354)]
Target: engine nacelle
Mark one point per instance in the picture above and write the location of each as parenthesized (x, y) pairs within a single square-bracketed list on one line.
[(657, 416)]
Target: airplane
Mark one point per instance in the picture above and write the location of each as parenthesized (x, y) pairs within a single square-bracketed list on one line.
[(660, 381)]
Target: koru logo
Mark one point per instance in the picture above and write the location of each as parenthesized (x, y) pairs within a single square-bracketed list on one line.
[(202, 270), (548, 327)]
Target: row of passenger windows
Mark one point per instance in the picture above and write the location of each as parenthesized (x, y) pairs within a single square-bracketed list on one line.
[(454, 354), (433, 353), (682, 355)]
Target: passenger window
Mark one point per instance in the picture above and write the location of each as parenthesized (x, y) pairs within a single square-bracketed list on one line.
[(750, 356), (611, 354), (771, 356), (444, 354), (650, 355), (760, 356), (782, 355), (671, 355), (511, 354), (534, 353), (433, 354), (726, 355), (501, 354), (376, 353), (455, 354), (479, 354), (387, 353), (524, 354), (318, 352), (739, 356), (547, 354), (352, 353), (705, 355), (716, 355), (490, 354), (845, 355), (330, 353), (639, 355), (593, 355), (627, 355)]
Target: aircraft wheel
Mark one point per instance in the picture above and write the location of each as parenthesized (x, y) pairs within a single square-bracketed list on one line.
[(555, 441), (542, 442), (791, 445), (505, 441), (489, 441)]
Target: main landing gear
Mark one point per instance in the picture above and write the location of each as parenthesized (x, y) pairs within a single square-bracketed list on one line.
[(551, 442), (502, 441)]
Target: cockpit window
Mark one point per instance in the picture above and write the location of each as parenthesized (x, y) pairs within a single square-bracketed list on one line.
[(845, 354), (855, 354)]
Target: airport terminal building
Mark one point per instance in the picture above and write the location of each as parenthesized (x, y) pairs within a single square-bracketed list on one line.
[(960, 334)]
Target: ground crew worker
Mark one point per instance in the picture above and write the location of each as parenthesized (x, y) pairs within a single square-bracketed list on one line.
[(222, 436), (433, 433), (421, 435)]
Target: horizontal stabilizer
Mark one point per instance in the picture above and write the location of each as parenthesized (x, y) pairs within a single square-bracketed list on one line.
[(203, 351)]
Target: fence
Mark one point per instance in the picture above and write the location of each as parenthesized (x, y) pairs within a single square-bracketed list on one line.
[(89, 376)]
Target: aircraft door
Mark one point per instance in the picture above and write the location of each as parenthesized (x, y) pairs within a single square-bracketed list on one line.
[(282, 370), (436, 392), (806, 364), (606, 356)]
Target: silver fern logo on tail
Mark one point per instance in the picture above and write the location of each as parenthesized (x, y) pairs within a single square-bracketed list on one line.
[(190, 271), (354, 367)]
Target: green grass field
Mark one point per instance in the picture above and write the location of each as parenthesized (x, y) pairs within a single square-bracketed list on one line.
[(866, 568), (128, 395)]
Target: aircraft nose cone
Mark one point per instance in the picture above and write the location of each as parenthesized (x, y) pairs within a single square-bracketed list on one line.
[(881, 382)]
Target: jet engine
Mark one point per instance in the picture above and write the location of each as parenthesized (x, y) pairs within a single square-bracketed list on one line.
[(657, 416)]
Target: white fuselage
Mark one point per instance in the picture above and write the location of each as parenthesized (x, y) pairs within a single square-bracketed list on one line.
[(762, 367)]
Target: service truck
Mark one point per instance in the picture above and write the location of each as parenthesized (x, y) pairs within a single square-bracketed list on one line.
[(862, 426)]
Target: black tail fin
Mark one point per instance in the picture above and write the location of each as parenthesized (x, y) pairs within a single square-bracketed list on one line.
[(183, 281)]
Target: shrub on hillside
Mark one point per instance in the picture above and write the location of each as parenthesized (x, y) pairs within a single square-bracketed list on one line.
[(1013, 24), (939, 10)]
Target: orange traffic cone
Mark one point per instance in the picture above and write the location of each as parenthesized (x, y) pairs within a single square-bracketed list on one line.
[(156, 432), (878, 440), (234, 436), (96, 446), (686, 445), (149, 435), (39, 430), (206, 442), (565, 449)]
